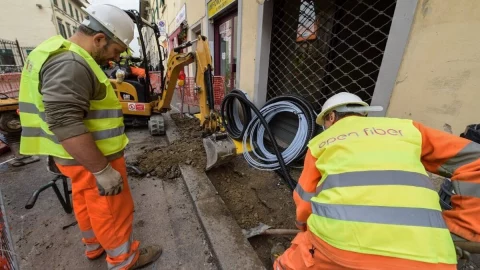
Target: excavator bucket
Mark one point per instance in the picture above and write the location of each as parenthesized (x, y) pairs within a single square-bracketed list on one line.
[(220, 149)]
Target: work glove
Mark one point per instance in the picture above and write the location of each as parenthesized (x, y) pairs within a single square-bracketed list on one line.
[(109, 181)]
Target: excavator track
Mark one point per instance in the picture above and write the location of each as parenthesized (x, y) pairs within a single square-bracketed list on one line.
[(156, 125)]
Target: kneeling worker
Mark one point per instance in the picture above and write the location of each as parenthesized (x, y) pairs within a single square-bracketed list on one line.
[(69, 110), (364, 199)]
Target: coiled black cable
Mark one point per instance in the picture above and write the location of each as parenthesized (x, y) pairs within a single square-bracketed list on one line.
[(307, 109), (240, 96), (230, 116), (237, 130)]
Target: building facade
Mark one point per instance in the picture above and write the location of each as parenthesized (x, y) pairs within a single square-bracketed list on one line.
[(68, 15), (416, 58), (40, 20)]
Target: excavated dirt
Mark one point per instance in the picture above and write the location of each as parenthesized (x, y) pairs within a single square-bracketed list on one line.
[(163, 161), (251, 195), (254, 197)]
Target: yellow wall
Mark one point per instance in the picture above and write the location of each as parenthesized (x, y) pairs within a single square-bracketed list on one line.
[(195, 11), (439, 79), (248, 46)]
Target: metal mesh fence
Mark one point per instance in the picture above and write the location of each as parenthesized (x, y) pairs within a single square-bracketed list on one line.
[(322, 47), (189, 96), (11, 56), (156, 81), (8, 258)]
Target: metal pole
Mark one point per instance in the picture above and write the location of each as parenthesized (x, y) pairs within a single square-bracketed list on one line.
[(19, 51)]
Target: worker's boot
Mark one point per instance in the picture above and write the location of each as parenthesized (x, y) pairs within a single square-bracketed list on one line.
[(13, 141), (277, 250), (147, 255)]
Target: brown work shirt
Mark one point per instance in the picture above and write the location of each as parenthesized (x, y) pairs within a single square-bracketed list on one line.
[(67, 86)]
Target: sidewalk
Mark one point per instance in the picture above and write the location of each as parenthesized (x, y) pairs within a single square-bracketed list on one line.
[(164, 214)]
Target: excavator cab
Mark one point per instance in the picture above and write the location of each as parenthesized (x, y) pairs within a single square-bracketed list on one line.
[(145, 98), (138, 94)]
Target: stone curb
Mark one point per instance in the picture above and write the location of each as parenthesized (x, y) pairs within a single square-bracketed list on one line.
[(230, 247)]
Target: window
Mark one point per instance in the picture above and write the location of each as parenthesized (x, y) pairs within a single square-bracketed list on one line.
[(68, 30), (55, 2), (61, 28), (64, 6), (74, 29), (7, 57), (76, 14), (71, 10)]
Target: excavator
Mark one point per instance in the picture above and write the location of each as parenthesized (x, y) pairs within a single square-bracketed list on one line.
[(9, 119), (142, 105), (10, 128)]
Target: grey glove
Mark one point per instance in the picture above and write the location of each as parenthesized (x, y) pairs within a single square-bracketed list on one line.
[(109, 181)]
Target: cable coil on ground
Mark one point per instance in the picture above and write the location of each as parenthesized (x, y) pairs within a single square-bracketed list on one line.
[(257, 129), (261, 157)]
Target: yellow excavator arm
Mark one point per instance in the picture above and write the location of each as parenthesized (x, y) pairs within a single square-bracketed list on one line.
[(203, 81), (219, 147)]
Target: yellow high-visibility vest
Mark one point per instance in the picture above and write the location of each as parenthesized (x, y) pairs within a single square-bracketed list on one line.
[(375, 196), (104, 119)]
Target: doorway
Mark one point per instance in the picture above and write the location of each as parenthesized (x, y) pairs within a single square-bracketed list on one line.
[(226, 49)]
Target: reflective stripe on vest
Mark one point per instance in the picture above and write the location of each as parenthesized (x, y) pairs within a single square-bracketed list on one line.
[(104, 119), (469, 154), (99, 114), (381, 214), (368, 178), (97, 135), (375, 196)]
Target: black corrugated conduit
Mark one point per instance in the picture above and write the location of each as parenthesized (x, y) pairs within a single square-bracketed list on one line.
[(255, 130)]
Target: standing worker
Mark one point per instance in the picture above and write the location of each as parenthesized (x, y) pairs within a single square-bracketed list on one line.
[(69, 110), (365, 201)]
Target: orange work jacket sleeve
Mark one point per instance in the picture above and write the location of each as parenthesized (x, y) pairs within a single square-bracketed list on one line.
[(305, 190), (139, 72), (458, 159)]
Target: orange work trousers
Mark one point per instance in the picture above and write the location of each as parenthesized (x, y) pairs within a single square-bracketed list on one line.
[(105, 221), (310, 252)]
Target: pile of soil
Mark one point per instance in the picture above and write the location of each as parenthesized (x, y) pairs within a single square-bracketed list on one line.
[(188, 149)]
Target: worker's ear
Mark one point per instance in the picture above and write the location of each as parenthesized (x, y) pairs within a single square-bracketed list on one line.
[(331, 117), (99, 40)]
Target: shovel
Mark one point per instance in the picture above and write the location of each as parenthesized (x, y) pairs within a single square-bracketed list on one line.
[(263, 229)]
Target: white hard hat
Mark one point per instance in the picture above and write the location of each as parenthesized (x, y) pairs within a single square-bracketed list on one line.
[(339, 102), (111, 20)]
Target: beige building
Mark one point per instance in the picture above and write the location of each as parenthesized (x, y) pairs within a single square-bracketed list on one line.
[(416, 58), (39, 20), (68, 15), (439, 77)]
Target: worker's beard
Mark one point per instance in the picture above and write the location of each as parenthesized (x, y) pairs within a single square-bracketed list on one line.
[(100, 56)]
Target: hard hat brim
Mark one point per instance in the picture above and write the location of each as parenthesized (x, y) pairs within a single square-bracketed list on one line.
[(322, 114)]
